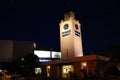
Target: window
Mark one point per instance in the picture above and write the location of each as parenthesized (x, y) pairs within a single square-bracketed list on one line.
[(83, 65)]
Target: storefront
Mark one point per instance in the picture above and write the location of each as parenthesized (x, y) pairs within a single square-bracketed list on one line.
[(66, 69), (62, 68)]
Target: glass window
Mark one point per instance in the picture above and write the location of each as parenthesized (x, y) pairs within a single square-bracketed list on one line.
[(48, 71), (66, 69), (83, 65)]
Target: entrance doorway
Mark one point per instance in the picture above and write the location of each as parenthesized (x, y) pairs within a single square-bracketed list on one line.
[(66, 69), (48, 71)]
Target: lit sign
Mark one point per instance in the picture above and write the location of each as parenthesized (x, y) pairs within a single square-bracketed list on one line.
[(77, 33), (66, 33), (56, 54), (46, 54), (42, 54), (44, 60)]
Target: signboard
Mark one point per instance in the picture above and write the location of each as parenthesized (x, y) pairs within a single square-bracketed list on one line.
[(47, 54), (42, 54)]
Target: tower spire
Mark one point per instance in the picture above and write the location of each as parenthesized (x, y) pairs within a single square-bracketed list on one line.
[(69, 15)]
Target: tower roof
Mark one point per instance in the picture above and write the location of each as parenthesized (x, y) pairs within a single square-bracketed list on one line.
[(69, 15)]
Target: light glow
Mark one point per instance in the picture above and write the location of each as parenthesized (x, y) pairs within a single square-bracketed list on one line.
[(34, 45), (84, 65), (56, 54), (42, 54), (46, 54), (44, 60)]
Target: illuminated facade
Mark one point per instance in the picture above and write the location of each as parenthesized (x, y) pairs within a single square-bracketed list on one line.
[(70, 37), (45, 56), (72, 59)]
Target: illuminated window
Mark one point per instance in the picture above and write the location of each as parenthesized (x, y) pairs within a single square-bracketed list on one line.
[(56, 54), (66, 69), (38, 71), (83, 65), (47, 54), (42, 54), (48, 71)]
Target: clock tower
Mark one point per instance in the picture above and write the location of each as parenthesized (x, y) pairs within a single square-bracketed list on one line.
[(70, 37)]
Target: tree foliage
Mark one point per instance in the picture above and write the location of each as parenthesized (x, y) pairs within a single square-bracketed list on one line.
[(30, 62), (114, 53), (31, 58)]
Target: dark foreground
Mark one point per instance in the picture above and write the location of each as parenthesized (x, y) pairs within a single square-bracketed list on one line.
[(54, 78)]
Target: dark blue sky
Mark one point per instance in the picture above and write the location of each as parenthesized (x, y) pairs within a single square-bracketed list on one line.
[(38, 20)]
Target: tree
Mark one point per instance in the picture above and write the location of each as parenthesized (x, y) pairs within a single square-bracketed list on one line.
[(30, 62), (114, 59), (114, 53), (31, 58)]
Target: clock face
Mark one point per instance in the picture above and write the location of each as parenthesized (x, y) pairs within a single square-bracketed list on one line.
[(66, 26), (76, 27)]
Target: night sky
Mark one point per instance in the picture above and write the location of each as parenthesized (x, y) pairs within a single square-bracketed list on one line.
[(38, 20)]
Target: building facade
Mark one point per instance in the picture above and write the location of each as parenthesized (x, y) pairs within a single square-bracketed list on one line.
[(62, 68), (70, 37), (11, 50), (72, 59)]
